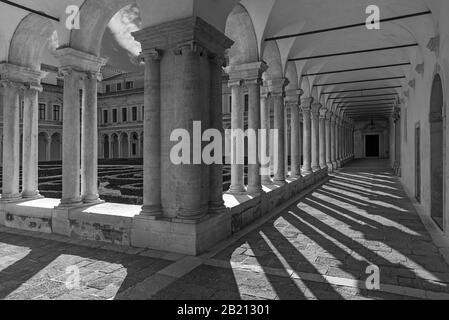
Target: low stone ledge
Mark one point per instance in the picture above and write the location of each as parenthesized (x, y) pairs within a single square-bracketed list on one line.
[(120, 224)]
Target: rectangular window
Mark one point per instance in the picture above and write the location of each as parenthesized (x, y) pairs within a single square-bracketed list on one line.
[(108, 88), (134, 114), (143, 113), (246, 102), (105, 116), (124, 115), (230, 104), (56, 113), (129, 85), (114, 115), (42, 108), (119, 87)]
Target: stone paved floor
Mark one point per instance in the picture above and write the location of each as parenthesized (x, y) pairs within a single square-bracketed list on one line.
[(319, 248)]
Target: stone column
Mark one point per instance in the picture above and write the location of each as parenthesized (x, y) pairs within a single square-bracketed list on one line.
[(30, 143), (11, 142), (89, 140), (265, 139), (277, 87), (328, 129), (48, 141), (188, 44), (71, 148), (152, 206), (307, 147), (295, 143), (76, 67), (216, 202), (334, 142), (237, 139), (315, 136), (251, 73), (322, 133)]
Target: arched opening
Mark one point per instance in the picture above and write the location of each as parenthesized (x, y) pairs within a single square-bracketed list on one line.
[(56, 147), (42, 147), (124, 146), (114, 147), (106, 154), (436, 151), (134, 145)]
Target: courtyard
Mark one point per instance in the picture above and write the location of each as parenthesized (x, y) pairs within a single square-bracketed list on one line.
[(319, 248)]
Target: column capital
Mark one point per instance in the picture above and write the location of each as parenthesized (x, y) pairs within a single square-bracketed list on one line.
[(323, 113), (12, 73), (306, 102), (265, 92), (316, 107), (151, 54), (249, 72), (79, 60), (293, 96), (169, 35), (235, 83), (277, 86)]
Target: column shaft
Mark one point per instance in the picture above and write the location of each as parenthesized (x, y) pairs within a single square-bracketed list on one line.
[(279, 125), (254, 177), (216, 203), (315, 140), (11, 143), (30, 144), (89, 141), (71, 149), (307, 147), (237, 139), (322, 134), (295, 143), (265, 141), (152, 136)]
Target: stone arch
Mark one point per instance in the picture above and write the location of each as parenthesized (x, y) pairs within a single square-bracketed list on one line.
[(43, 139), (272, 57), (240, 29), (56, 147), (291, 73), (124, 145), (106, 151), (114, 153), (29, 39), (437, 151), (134, 147), (94, 18)]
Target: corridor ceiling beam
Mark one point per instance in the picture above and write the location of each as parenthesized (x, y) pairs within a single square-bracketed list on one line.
[(367, 96), (369, 105), (356, 25), (363, 101), (358, 81), (358, 69), (361, 90), (355, 52), (40, 13)]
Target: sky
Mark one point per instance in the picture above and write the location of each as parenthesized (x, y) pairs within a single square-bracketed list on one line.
[(118, 44)]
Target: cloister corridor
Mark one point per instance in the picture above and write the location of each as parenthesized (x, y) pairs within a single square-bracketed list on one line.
[(318, 248)]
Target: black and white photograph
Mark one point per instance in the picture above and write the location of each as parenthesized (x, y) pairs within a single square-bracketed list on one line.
[(224, 155)]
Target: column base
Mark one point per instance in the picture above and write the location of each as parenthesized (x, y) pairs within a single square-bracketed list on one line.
[(11, 198), (279, 182), (91, 200), (330, 167), (255, 191), (191, 237), (66, 204), (187, 216), (32, 195), (316, 168), (237, 190)]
